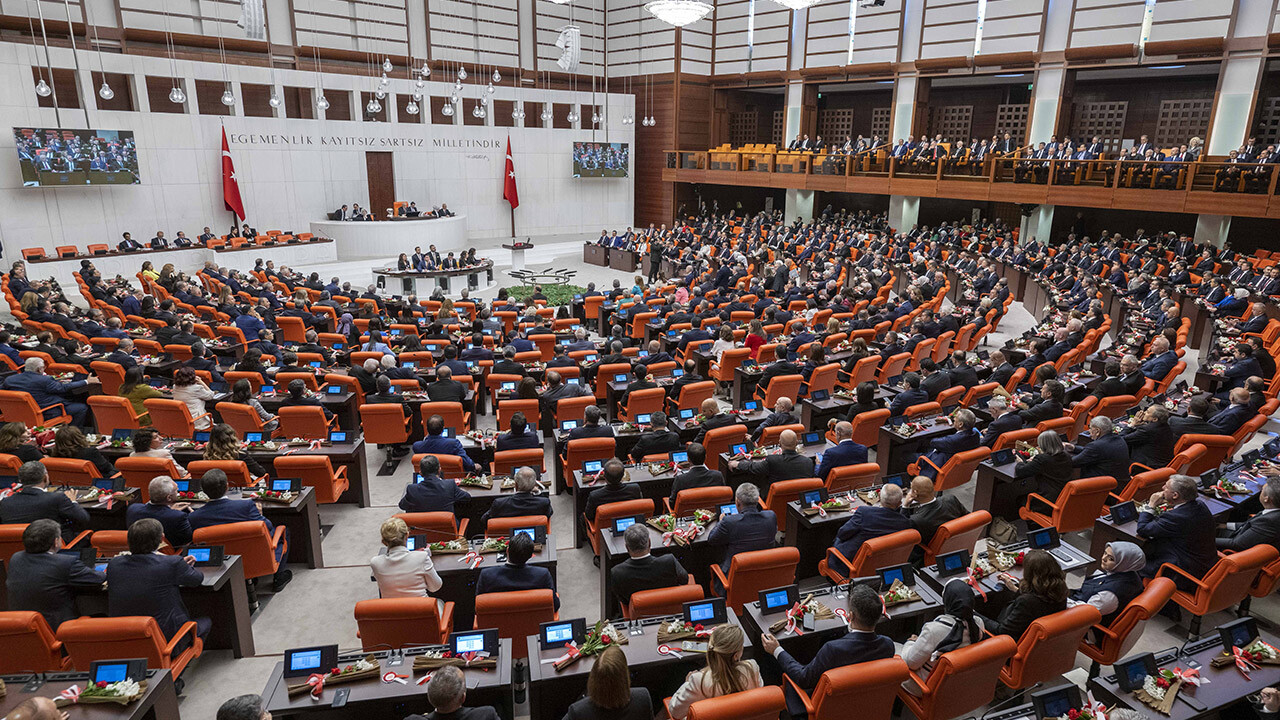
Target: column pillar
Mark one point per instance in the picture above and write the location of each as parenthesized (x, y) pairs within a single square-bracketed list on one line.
[(1233, 110), (904, 102), (1046, 103), (1212, 229), (795, 101), (904, 211), (799, 204), (1037, 226)]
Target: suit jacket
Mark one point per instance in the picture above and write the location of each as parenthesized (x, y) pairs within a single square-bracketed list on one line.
[(1042, 410), (1183, 536), (1018, 615), (1112, 387), (844, 453), (855, 647), (1191, 425), (447, 391), (1005, 423), (1001, 373), (440, 445), (1051, 472), (929, 517), (640, 708), (517, 505), (1263, 528), (1229, 420), (177, 530), (867, 522), (771, 420), (433, 494), (43, 582), (783, 367), (786, 465), (652, 443), (906, 399), (605, 495), (508, 578), (695, 477), (511, 441), (44, 390), (1107, 456), (1159, 366), (936, 383), (1150, 444), (744, 532), (646, 573), (30, 503), (149, 585), (713, 422)]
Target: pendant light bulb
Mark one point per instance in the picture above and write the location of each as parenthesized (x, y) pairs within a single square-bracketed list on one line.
[(462, 74), (105, 92), (386, 65), (227, 98), (43, 89), (177, 96), (411, 108), (497, 77), (322, 102), (447, 110)]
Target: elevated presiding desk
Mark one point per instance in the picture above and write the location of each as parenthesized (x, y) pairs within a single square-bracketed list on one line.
[(424, 282), (389, 238)]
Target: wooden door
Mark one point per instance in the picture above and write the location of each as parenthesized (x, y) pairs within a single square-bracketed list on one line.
[(382, 182)]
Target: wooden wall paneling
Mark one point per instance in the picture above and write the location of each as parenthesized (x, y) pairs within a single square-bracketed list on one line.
[(254, 100), (158, 96), (835, 124), (299, 103), (1144, 98), (1011, 118), (809, 111), (65, 87), (1268, 122), (1103, 119), (743, 128), (654, 199), (1181, 120), (123, 98), (953, 122), (779, 128), (339, 104), (880, 119)]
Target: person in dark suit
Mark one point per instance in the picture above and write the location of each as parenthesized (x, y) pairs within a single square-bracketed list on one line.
[(41, 579), (436, 443), (934, 380), (1228, 420), (1004, 419), (1194, 423), (148, 583), (525, 501), (616, 489), (789, 464), (913, 394), (1107, 455), (642, 381), (1001, 369), (433, 494), (1131, 375), (31, 502), (591, 426), (750, 529), (867, 522), (963, 437), (1183, 535), (845, 452), (446, 389), (1111, 385), (221, 510), (161, 506), (1162, 359), (781, 415), (1051, 467), (508, 365), (928, 511), (520, 437), (710, 409), (658, 440), (643, 571), (780, 366), (447, 691), (861, 644), (1261, 529), (1042, 591), (1149, 438), (128, 244), (48, 392), (698, 475), (1047, 407), (516, 574)]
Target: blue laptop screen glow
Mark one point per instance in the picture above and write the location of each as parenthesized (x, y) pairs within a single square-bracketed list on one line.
[(775, 599), (561, 633), (200, 554), (309, 660), (114, 672), (469, 643), (623, 523), (705, 611)]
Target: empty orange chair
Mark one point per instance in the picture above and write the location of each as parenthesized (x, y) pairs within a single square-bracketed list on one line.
[(730, 359), (661, 601), (1113, 407), (315, 471), (692, 395), (962, 680), (699, 498), (88, 639), (437, 525), (17, 406), (643, 402), (1227, 582), (399, 622), (1075, 508), (111, 413), (1111, 642), (782, 386), (782, 492), (959, 468), (763, 703), (851, 477), (1217, 451), (869, 686), (501, 527), (29, 644), (866, 426), (1047, 648), (306, 421), (516, 615), (892, 549), (771, 434), (751, 572), (959, 534), (384, 423), (172, 418), (237, 471), (250, 540), (111, 374)]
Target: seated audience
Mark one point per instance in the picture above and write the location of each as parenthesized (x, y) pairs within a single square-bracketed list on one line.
[(641, 570)]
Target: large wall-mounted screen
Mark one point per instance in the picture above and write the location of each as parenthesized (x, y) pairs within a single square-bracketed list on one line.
[(57, 157), (596, 159)]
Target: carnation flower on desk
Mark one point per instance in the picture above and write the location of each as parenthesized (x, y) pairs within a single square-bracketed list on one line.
[(677, 629), (122, 692), (794, 616), (899, 594), (476, 481), (283, 497), (440, 657), (458, 546), (599, 637), (1258, 652), (673, 531), (659, 469), (870, 496), (835, 504), (1225, 488), (362, 669), (1160, 690), (627, 428)]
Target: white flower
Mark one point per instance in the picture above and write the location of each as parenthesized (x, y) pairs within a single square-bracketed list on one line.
[(363, 664), (1155, 691)]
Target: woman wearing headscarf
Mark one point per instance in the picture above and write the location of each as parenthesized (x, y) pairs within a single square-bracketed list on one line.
[(956, 627), (344, 324), (1116, 583)]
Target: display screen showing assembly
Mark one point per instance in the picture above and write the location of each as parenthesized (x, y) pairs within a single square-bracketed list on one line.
[(58, 157), (605, 160)]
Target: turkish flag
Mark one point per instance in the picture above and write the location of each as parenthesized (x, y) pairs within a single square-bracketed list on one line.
[(230, 188), (509, 182)]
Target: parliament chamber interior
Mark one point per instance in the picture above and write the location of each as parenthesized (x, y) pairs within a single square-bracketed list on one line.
[(681, 360)]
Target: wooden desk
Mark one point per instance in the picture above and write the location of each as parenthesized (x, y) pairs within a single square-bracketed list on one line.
[(624, 260), (653, 487), (696, 558), (460, 580), (593, 254), (743, 387), (374, 698), (158, 702), (734, 477), (813, 534), (1106, 531), (998, 492), (815, 414), (894, 449), (551, 692)]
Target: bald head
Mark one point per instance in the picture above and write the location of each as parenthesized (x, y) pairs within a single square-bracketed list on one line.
[(844, 430), (709, 407), (788, 439), (923, 489)]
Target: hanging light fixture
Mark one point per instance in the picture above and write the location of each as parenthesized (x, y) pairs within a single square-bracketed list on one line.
[(497, 76), (105, 92), (490, 89), (228, 98), (176, 96), (411, 108), (462, 74), (380, 94), (797, 4), (678, 12), (43, 89), (374, 106), (274, 101), (386, 65), (595, 117), (447, 110), (322, 102), (546, 112)]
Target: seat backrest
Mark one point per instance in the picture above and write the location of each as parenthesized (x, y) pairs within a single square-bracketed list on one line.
[(1130, 622), (960, 467), (1144, 485), (29, 644), (243, 418), (644, 402), (692, 395), (965, 679), (315, 471), (88, 639), (1047, 648), (771, 434), (111, 374), (70, 471), (763, 703), (701, 498), (304, 421), (1216, 452), (781, 386), (957, 534), (824, 378), (866, 426), (1081, 502), (782, 492), (501, 527), (10, 539), (506, 461), (608, 511), (138, 472), (451, 412), (383, 423), (871, 687), (172, 418), (248, 539), (508, 408), (719, 440), (111, 413), (516, 615), (438, 525), (884, 551), (663, 601), (398, 622), (751, 572), (1229, 580)]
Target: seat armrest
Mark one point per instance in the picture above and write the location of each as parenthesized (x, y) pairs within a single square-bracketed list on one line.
[(804, 696), (1041, 498), (462, 527), (187, 627), (60, 407), (839, 555), (84, 535), (719, 574), (1138, 465), (1183, 573), (341, 473), (446, 621), (925, 458)]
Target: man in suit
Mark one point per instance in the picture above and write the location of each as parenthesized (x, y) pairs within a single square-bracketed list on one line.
[(614, 490), (1111, 385), (1150, 441), (643, 571), (781, 415), (508, 365), (658, 440), (789, 464), (516, 574), (525, 501), (1261, 529), (145, 582), (519, 437), (780, 366), (1106, 456), (41, 579), (913, 394), (845, 452), (1162, 359), (159, 242), (934, 380), (749, 529), (690, 376), (47, 392), (1047, 407), (221, 510), (1183, 535), (710, 409), (1228, 420), (1003, 419), (128, 244), (161, 506), (928, 511), (1194, 423), (436, 443), (1001, 369), (447, 691), (433, 493), (446, 389), (642, 381), (861, 644), (866, 523), (698, 475), (939, 450), (32, 502)]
